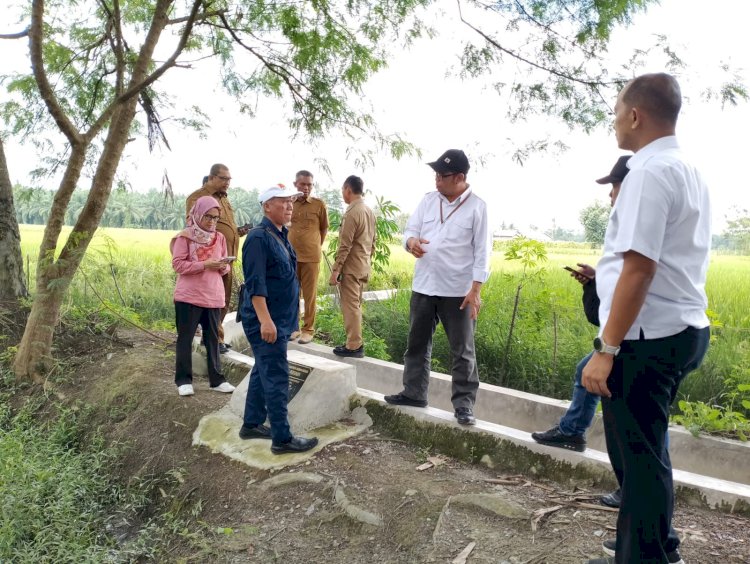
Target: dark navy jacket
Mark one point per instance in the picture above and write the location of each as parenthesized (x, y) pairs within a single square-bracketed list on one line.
[(270, 271)]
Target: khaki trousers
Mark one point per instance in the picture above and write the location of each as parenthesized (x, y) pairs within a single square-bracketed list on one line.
[(227, 279), (307, 274), (350, 289)]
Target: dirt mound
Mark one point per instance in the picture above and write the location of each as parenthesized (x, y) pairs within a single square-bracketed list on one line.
[(417, 515)]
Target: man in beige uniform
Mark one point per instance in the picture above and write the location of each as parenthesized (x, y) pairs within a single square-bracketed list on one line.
[(216, 185), (352, 267), (306, 234)]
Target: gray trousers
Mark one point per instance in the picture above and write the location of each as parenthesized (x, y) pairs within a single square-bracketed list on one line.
[(424, 314)]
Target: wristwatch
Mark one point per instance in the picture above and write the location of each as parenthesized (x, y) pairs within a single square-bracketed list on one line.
[(602, 347)]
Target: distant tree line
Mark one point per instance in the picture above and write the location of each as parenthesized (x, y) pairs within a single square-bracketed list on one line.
[(149, 210)]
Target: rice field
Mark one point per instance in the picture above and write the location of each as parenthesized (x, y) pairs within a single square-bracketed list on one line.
[(131, 269)]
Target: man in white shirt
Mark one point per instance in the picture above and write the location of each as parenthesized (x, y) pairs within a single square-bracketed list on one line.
[(654, 330), (448, 235)]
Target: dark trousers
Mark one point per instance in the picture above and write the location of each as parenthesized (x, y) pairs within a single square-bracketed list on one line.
[(424, 314), (187, 318), (644, 382), (268, 389)]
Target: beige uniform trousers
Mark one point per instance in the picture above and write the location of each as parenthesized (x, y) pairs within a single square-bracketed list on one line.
[(307, 274), (350, 289)]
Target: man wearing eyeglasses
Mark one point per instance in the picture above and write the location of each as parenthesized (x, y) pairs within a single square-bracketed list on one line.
[(216, 185), (449, 236), (306, 234)]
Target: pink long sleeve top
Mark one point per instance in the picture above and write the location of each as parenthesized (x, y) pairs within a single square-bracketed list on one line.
[(196, 285)]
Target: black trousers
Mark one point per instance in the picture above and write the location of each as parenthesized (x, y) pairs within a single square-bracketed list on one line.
[(187, 318), (644, 382), (424, 314)]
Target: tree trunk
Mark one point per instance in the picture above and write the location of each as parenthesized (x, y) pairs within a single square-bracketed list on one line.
[(33, 360), (12, 284)]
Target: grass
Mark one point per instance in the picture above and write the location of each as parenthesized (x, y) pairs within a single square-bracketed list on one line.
[(60, 498), (131, 270)]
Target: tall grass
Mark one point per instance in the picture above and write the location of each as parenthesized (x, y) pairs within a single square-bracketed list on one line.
[(551, 335)]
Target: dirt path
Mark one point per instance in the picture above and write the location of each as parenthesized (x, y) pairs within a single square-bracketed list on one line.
[(426, 516)]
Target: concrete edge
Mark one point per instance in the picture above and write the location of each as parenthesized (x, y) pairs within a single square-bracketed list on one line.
[(515, 451)]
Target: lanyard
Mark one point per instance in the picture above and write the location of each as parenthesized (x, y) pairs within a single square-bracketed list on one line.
[(454, 209)]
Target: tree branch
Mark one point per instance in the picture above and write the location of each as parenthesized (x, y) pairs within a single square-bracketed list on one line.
[(198, 18), (18, 35), (137, 85), (36, 38), (586, 82), (116, 42)]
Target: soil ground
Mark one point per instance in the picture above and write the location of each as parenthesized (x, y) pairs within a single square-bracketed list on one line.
[(129, 380)]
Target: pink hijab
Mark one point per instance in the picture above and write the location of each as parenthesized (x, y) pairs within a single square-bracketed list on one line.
[(201, 240)]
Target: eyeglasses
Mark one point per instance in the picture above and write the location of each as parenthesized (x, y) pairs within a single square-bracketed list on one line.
[(439, 176), (224, 178), (213, 218)]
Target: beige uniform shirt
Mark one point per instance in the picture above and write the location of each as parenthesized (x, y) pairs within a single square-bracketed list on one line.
[(309, 228), (356, 240), (226, 225)]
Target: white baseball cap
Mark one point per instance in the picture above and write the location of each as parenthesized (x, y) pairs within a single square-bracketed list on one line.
[(278, 191)]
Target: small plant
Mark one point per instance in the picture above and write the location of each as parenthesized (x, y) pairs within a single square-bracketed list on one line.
[(422, 454), (724, 420), (531, 254)]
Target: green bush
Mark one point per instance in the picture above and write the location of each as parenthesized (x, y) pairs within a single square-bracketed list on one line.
[(55, 496)]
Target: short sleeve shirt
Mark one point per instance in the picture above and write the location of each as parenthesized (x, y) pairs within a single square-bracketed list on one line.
[(663, 212), (309, 222)]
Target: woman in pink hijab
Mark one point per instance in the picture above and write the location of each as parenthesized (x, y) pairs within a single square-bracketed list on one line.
[(199, 256)]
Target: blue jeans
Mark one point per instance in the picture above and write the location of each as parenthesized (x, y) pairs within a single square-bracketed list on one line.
[(268, 389), (582, 408)]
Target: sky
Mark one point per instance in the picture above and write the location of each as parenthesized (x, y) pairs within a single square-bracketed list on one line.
[(418, 97)]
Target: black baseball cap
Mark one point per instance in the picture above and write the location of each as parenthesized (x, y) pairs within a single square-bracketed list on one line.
[(619, 171), (453, 160)]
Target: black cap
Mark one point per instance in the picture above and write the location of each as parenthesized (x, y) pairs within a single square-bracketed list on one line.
[(619, 171), (453, 160)]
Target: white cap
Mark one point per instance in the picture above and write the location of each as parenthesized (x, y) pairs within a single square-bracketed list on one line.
[(278, 191)]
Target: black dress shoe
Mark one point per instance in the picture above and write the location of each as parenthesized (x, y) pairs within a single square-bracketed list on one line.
[(255, 432), (354, 353), (556, 438), (612, 499), (297, 444), (401, 399), (465, 416), (223, 348)]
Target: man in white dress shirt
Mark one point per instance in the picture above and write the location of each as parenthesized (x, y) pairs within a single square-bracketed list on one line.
[(449, 236), (654, 330)]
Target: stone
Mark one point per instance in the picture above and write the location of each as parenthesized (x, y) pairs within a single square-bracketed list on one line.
[(289, 479), (493, 503)]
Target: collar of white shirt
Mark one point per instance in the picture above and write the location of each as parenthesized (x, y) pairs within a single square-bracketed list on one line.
[(656, 146), (465, 194)]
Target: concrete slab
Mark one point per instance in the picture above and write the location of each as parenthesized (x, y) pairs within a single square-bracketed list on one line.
[(324, 397), (715, 458), (715, 493), (320, 405), (219, 431), (719, 458)]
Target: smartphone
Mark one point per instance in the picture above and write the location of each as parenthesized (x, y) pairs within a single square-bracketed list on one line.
[(578, 272), (228, 259)]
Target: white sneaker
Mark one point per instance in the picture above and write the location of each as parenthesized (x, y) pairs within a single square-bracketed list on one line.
[(186, 390), (224, 388)]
